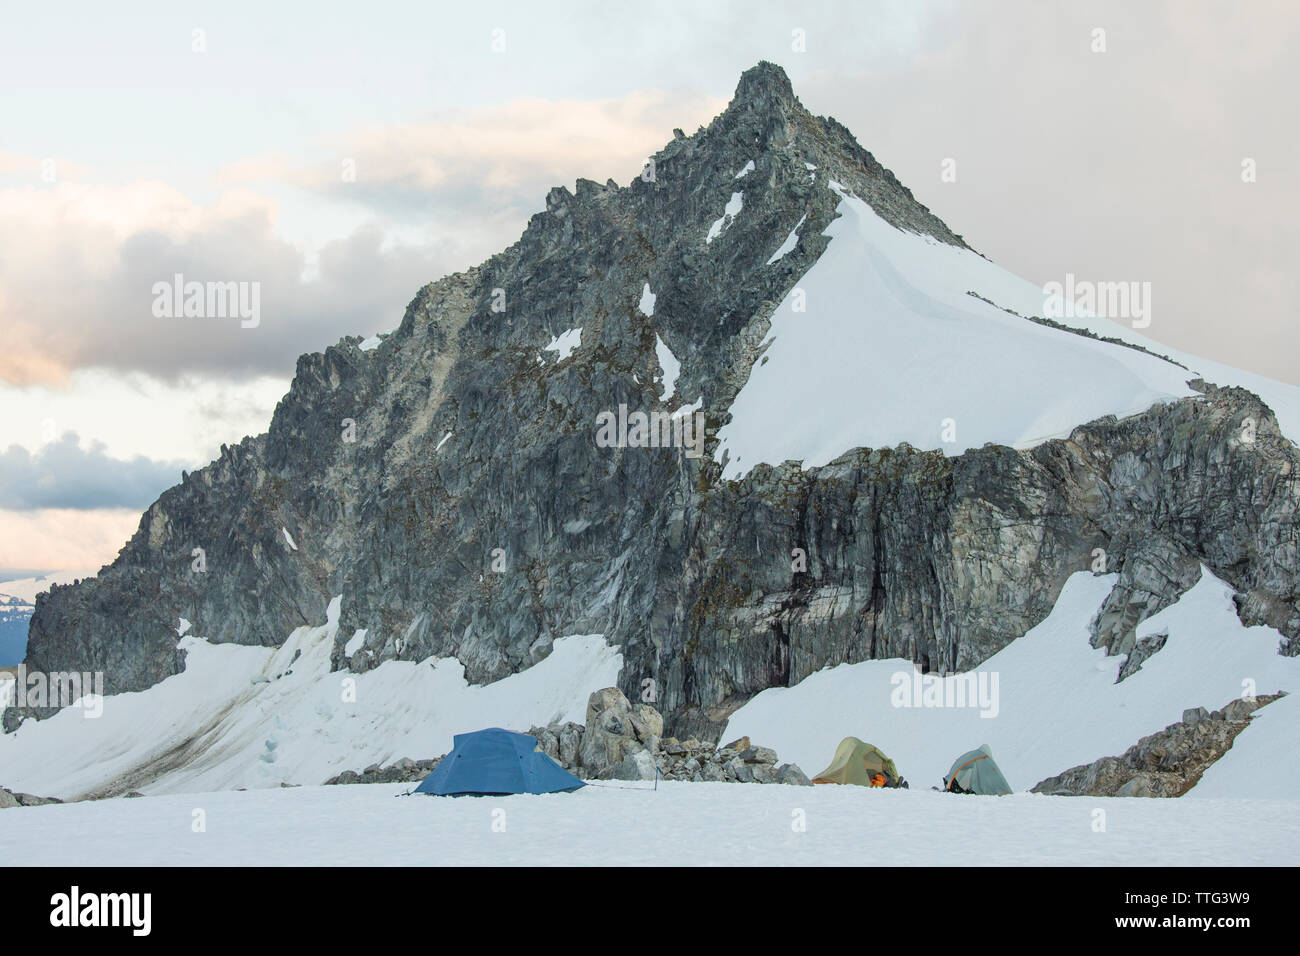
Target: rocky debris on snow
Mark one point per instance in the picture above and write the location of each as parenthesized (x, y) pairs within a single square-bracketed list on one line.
[(624, 741), (405, 770), (1076, 330), (9, 798), (1163, 764)]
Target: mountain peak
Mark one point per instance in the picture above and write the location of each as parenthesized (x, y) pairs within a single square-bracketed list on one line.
[(764, 84)]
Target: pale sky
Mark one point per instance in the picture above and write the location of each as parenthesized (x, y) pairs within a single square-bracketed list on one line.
[(211, 139)]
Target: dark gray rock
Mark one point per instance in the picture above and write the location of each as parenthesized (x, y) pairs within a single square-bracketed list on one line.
[(792, 776), (635, 765), (404, 770), (758, 755), (547, 742), (712, 773), (1153, 573)]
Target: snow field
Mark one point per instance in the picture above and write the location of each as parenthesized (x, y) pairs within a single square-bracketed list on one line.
[(680, 824)]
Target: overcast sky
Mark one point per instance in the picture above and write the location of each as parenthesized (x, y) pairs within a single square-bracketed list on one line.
[(344, 154)]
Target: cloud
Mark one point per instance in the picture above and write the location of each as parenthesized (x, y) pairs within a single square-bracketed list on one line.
[(40, 169), (136, 414), (80, 264), (64, 538), (64, 475), (491, 160)]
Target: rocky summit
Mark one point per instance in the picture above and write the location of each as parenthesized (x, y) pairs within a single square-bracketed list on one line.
[(451, 481)]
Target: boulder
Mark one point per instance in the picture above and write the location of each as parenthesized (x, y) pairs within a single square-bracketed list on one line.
[(613, 730), (650, 718), (712, 772), (758, 755), (792, 776), (635, 765), (568, 743), (547, 742), (739, 771), (608, 698)]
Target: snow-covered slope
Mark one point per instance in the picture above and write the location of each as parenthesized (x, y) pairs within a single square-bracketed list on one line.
[(887, 346), (680, 824), (1056, 703), (256, 717), (1262, 760)]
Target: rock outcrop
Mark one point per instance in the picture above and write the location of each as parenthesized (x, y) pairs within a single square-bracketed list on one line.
[(1163, 764), (404, 770), (447, 485), (623, 741)]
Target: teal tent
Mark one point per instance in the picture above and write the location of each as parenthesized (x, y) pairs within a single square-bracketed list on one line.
[(496, 761), (976, 772)]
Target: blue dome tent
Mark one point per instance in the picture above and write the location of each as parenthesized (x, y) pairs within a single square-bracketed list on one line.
[(497, 761)]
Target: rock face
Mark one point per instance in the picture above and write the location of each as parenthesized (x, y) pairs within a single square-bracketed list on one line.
[(447, 483), (1163, 764)]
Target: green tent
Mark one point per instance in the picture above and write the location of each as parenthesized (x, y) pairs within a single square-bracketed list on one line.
[(976, 772), (856, 762)]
